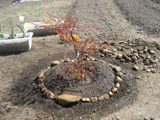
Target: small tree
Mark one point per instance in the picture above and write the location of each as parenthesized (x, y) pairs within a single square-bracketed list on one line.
[(68, 28)]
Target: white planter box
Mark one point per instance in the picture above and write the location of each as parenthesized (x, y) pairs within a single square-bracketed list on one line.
[(40, 31), (36, 30), (17, 44)]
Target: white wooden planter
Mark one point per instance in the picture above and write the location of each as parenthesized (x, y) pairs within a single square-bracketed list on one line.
[(17, 44)]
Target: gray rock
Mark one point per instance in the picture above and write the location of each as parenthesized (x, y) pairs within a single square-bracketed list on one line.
[(148, 56), (130, 55), (105, 50), (122, 60), (136, 54), (153, 61), (116, 68), (135, 51), (114, 89), (86, 100), (122, 49), (119, 74), (94, 99), (101, 98), (142, 56), (102, 55), (114, 49), (67, 99), (113, 56), (128, 59), (154, 57), (92, 58), (140, 52), (148, 70), (118, 79), (145, 51), (55, 62), (138, 77), (106, 96), (152, 52), (134, 58), (117, 85), (136, 68), (146, 119), (145, 67), (119, 56), (131, 49), (153, 70), (146, 62)]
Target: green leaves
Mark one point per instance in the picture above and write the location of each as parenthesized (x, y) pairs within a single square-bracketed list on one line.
[(1, 35), (22, 30), (11, 35)]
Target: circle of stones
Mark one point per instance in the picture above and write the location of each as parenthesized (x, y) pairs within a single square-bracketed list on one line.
[(48, 94)]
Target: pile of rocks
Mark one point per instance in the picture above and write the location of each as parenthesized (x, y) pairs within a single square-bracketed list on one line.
[(137, 52), (146, 56)]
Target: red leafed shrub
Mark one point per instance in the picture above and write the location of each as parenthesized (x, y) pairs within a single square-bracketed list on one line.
[(68, 28)]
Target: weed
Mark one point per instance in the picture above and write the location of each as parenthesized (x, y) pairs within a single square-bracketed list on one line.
[(130, 26)]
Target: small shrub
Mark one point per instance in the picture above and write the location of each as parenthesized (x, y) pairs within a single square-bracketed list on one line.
[(68, 28)]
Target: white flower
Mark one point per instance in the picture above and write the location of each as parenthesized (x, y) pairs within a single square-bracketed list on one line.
[(21, 18)]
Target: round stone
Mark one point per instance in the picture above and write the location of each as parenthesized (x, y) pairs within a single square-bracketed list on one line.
[(92, 58), (94, 99), (45, 92), (50, 95), (55, 62), (41, 86), (135, 68), (67, 99), (86, 100), (40, 74), (111, 93), (118, 79), (101, 98), (117, 85), (114, 89), (40, 81), (106, 96), (119, 74), (119, 56)]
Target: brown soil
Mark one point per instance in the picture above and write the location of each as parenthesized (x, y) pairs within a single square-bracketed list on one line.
[(137, 98)]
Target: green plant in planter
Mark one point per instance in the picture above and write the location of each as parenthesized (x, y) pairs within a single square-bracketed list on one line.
[(69, 31), (1, 35), (11, 34), (21, 19)]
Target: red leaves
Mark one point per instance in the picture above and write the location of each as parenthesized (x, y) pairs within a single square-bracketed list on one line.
[(75, 39), (69, 31), (67, 37)]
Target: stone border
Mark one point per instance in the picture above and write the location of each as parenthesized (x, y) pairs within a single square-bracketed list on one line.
[(70, 99)]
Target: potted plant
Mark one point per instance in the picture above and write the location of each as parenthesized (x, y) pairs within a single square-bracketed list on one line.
[(13, 42)]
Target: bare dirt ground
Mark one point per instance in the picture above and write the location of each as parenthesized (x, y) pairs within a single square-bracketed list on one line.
[(118, 20)]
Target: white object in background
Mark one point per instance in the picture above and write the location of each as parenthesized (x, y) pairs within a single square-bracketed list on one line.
[(17, 44), (38, 29)]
